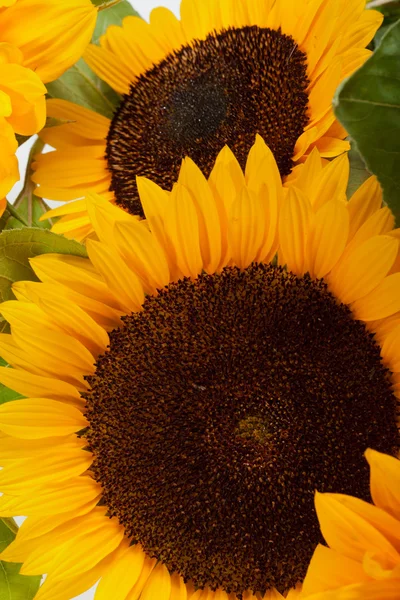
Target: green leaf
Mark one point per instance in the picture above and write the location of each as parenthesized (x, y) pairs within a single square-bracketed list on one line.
[(391, 13), (17, 246), (358, 171), (112, 15), (12, 585), (368, 105), (390, 9), (10, 219), (80, 85)]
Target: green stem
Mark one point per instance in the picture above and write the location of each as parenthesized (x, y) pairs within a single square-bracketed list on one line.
[(15, 214), (103, 4)]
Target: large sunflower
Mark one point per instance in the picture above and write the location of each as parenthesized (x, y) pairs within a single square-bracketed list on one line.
[(193, 391), (363, 561), (223, 73)]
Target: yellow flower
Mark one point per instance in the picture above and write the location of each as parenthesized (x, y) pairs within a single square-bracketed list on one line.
[(39, 40), (51, 35), (223, 73), (363, 558), (9, 164), (186, 394), (22, 94)]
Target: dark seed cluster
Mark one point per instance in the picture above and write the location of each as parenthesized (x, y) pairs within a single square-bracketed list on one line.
[(221, 408), (222, 90)]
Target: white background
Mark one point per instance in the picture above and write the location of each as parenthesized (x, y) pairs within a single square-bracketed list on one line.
[(143, 7)]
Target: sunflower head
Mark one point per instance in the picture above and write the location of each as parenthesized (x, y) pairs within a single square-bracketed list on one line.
[(196, 389), (218, 76)]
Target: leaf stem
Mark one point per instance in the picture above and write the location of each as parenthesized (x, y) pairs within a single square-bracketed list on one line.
[(16, 214), (103, 5)]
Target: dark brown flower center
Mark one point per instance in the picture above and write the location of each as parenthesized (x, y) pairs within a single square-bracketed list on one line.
[(220, 409), (222, 90)]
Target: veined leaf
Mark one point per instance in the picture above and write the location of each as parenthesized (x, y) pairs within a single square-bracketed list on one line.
[(80, 85), (17, 246), (358, 171), (12, 585), (112, 14), (368, 105)]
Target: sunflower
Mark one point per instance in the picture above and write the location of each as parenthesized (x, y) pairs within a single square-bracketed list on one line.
[(224, 72), (9, 164), (363, 560), (194, 391), (39, 40)]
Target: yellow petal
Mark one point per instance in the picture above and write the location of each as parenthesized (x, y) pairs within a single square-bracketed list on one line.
[(322, 92), (329, 570), (75, 547), (148, 567), (26, 314), (55, 350), (28, 384), (382, 302), (102, 313), (65, 589), (362, 270), (305, 175), (207, 212), (166, 29), (51, 39), (34, 527), (294, 224), (347, 532), (122, 574), (261, 169), (385, 481), (123, 283), (158, 584), (81, 554), (34, 418), (328, 237), (371, 590), (379, 223), (77, 274), (179, 590), (329, 147), (154, 202), (13, 449), (143, 254), (332, 182), (182, 229), (19, 358), (246, 233), (75, 322), (390, 349), (364, 203), (81, 121), (55, 498), (109, 68), (62, 464)]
